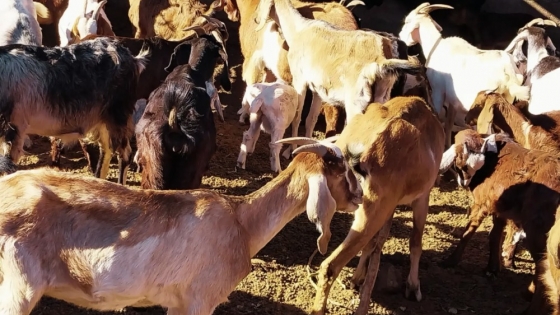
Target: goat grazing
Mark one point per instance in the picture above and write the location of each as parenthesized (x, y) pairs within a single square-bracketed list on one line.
[(270, 107), (511, 183), (378, 142), (83, 90), (80, 19), (456, 70), (19, 23), (351, 61), (176, 136), (192, 234), (543, 69)]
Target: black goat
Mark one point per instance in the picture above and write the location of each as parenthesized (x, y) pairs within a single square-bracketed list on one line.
[(82, 90), (176, 135)]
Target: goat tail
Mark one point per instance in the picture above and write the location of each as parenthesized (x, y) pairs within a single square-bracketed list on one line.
[(142, 57), (397, 66), (254, 110), (7, 166)]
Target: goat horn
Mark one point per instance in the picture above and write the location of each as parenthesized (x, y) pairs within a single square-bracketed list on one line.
[(196, 29), (331, 139), (550, 23), (421, 7), (354, 3), (317, 148), (97, 11), (298, 140), (533, 22), (432, 7)]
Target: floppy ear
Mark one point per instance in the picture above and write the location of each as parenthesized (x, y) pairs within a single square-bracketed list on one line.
[(180, 56), (447, 159), (489, 144), (485, 119), (320, 209)]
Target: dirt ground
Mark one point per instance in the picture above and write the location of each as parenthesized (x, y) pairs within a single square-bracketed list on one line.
[(279, 284)]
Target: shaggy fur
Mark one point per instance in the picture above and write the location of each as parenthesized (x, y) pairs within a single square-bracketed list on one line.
[(176, 135), (19, 23), (87, 88)]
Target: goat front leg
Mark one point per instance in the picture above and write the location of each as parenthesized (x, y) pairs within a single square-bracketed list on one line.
[(419, 214), (301, 89), (124, 157), (313, 115), (56, 148), (477, 215), (374, 258), (368, 220), (14, 142), (495, 239)]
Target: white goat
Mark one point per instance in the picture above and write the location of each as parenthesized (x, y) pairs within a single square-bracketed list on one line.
[(339, 66), (106, 246), (80, 18), (271, 107), (543, 70), (456, 70), (19, 23)]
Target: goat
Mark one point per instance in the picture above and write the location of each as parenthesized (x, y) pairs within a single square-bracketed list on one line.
[(81, 19), (176, 133), (169, 19), (86, 89), (543, 69), (378, 141), (457, 71), (19, 23), (191, 234), (540, 133), (351, 61), (161, 52), (511, 183), (270, 107), (266, 49)]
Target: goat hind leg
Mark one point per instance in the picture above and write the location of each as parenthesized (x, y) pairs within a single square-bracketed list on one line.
[(495, 239), (250, 137), (419, 214), (301, 89), (56, 148), (124, 158), (313, 115), (275, 149)]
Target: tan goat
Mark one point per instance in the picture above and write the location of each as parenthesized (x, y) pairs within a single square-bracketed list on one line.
[(105, 246), (169, 19), (265, 49), (396, 148), (551, 268)]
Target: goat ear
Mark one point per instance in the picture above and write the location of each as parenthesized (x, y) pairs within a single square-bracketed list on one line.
[(447, 159), (320, 209), (263, 13), (173, 59), (44, 16), (550, 45), (485, 119), (489, 144)]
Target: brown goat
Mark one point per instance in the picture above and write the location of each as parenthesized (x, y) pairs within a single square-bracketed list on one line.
[(104, 246), (169, 19), (396, 149), (510, 182), (551, 276)]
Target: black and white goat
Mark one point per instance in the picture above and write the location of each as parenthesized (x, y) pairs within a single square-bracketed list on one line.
[(542, 66), (176, 135), (78, 91)]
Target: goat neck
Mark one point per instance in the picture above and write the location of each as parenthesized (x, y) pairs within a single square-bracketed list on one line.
[(266, 211), (508, 118), (430, 38), (286, 16)]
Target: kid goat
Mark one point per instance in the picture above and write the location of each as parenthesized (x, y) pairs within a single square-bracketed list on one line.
[(129, 247)]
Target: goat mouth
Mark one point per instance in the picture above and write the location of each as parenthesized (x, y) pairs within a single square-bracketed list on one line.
[(357, 201)]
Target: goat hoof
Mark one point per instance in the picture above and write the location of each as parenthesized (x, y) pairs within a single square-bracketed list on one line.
[(239, 166), (417, 296)]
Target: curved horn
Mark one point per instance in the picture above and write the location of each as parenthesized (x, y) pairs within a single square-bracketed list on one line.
[(97, 10), (421, 7), (196, 29), (433, 7), (298, 140), (317, 148), (331, 139), (85, 2), (539, 21), (520, 37), (550, 23), (490, 91)]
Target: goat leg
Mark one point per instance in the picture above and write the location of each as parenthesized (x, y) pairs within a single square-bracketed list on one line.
[(373, 266), (495, 240), (334, 119), (56, 148), (124, 158)]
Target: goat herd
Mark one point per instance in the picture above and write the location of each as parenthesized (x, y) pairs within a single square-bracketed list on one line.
[(106, 246)]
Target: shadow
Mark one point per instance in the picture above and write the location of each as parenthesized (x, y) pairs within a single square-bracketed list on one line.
[(242, 303)]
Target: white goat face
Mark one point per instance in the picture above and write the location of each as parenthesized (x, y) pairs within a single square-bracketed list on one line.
[(467, 162), (410, 34)]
